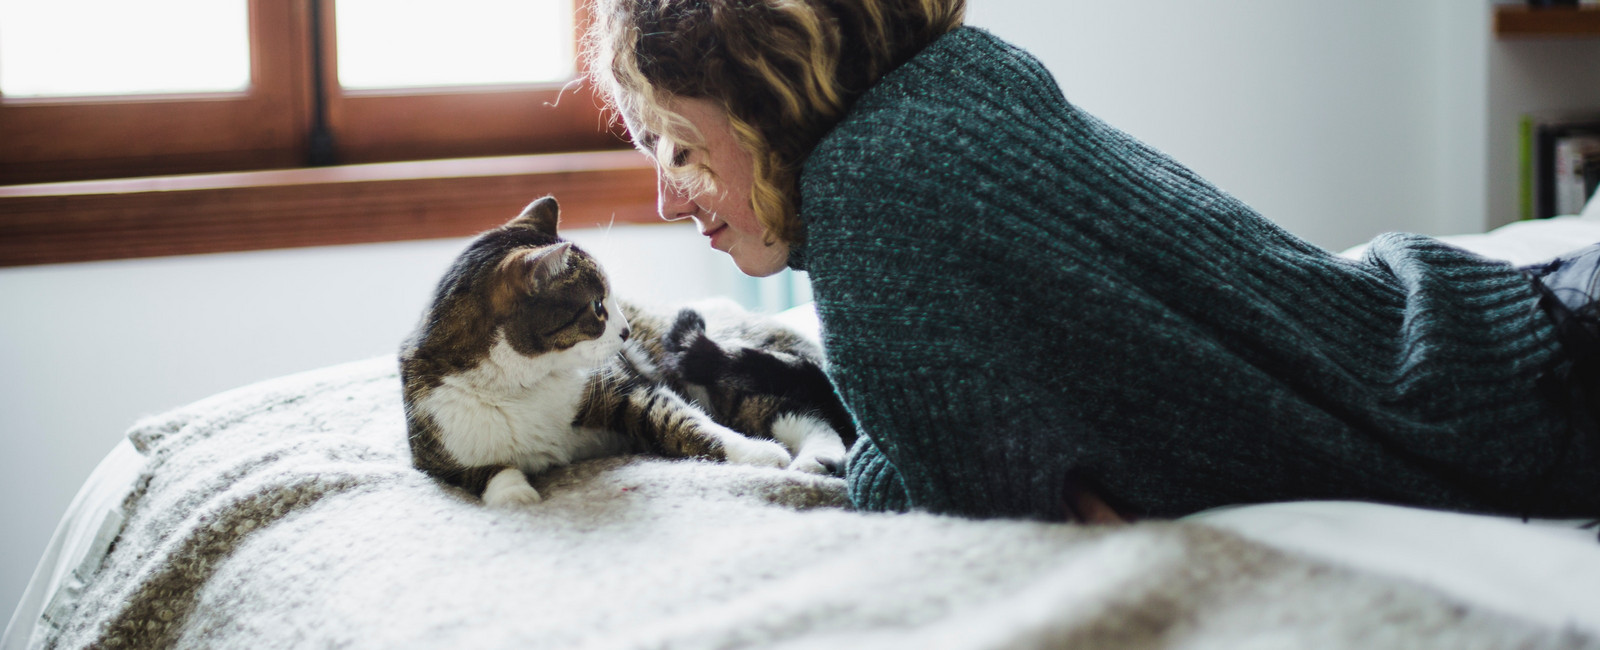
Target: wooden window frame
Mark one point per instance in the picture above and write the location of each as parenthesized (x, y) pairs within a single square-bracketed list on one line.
[(419, 124), (110, 178), (81, 221), (70, 138)]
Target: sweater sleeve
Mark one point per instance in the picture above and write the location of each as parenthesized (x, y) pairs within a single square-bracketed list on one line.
[(874, 483)]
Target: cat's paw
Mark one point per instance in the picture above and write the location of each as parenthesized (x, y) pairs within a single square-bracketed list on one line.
[(817, 447), (762, 453), (510, 489), (823, 464)]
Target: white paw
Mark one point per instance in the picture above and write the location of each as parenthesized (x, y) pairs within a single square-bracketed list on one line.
[(510, 489), (762, 453), (814, 464), (817, 447)]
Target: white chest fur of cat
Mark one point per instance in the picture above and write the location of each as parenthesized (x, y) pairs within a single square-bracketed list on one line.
[(517, 410)]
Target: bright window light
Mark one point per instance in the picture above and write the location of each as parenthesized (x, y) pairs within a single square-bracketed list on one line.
[(424, 43), (114, 47)]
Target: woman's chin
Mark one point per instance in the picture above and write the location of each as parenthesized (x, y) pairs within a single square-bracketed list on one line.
[(761, 262)]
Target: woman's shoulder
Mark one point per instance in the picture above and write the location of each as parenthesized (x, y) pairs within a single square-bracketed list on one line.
[(965, 91), (965, 56), (963, 48), (952, 128)]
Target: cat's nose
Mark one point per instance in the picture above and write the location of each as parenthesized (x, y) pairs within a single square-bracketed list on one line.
[(624, 333)]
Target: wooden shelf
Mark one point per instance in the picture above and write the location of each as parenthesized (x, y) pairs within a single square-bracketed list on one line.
[(1520, 21)]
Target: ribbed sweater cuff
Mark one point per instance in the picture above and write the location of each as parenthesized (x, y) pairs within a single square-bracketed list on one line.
[(874, 484)]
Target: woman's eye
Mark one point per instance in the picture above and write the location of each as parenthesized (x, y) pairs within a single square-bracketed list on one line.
[(599, 308), (680, 157)]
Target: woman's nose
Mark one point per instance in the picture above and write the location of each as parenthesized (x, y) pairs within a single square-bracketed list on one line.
[(671, 203)]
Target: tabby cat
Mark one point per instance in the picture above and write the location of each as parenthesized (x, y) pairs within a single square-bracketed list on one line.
[(753, 375), (524, 361)]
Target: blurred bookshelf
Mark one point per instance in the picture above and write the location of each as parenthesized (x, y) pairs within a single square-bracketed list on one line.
[(1560, 162), (1522, 21)]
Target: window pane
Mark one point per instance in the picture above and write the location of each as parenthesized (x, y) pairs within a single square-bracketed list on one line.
[(99, 47), (416, 43)]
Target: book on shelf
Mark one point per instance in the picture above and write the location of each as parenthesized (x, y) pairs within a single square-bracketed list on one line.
[(1577, 172), (1560, 162)]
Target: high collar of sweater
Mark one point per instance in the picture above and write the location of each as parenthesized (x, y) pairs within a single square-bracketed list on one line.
[(968, 62)]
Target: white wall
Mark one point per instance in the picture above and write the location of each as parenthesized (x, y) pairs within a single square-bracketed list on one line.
[(1318, 114), (1338, 120)]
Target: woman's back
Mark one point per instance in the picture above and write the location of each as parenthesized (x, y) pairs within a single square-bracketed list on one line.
[(1013, 292)]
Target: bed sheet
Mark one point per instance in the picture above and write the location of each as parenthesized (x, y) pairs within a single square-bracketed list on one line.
[(92, 521)]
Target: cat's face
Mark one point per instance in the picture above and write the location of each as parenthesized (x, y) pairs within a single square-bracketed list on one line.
[(554, 302), (522, 300)]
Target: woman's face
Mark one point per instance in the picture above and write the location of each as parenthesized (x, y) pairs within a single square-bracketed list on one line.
[(725, 214)]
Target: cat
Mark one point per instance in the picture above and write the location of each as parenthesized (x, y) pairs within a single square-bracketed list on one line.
[(524, 361), (759, 377)]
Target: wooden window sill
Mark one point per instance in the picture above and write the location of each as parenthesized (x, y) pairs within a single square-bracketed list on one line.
[(209, 213)]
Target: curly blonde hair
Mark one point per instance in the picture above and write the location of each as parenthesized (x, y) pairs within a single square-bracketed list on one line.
[(783, 71)]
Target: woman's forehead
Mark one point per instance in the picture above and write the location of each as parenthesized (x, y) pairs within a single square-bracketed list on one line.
[(683, 122)]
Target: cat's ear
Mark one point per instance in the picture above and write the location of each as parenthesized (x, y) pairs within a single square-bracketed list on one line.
[(542, 264), (541, 215)]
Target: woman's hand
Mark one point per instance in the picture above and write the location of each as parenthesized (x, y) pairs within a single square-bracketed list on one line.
[(1086, 507)]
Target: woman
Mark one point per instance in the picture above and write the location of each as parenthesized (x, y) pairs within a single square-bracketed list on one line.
[(1032, 314)]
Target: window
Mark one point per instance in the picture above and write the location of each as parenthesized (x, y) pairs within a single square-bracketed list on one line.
[(495, 82), (470, 42), (108, 88), (255, 145), (166, 46)]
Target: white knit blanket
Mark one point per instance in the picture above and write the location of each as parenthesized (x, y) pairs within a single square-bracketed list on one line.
[(286, 515)]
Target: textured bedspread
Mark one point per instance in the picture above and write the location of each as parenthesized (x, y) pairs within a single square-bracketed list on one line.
[(286, 514)]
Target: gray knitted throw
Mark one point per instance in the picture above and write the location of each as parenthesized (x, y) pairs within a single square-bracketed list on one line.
[(1011, 290), (288, 515)]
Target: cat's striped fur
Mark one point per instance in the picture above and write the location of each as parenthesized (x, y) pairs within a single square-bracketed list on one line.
[(524, 361), (752, 375)]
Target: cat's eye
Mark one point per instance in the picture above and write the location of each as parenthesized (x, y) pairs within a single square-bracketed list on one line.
[(599, 308)]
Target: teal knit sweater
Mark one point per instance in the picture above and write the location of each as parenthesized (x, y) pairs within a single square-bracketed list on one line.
[(1010, 290)]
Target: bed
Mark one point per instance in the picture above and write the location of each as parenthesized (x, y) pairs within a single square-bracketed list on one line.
[(286, 514)]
